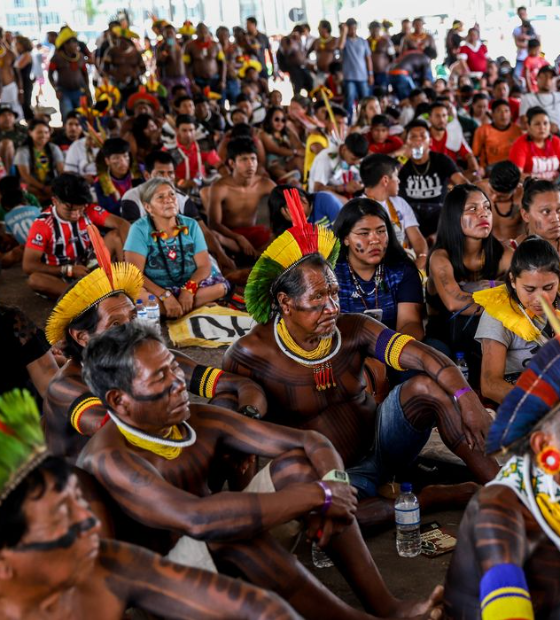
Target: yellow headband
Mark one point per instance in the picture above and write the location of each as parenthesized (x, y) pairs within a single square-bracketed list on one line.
[(88, 292)]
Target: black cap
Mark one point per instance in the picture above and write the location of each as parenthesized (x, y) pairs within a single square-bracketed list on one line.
[(7, 107), (548, 69)]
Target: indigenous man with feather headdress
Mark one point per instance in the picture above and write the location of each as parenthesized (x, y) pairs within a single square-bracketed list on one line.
[(102, 299), (310, 360)]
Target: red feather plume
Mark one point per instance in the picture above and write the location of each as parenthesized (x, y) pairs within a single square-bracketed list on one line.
[(101, 252), (303, 232)]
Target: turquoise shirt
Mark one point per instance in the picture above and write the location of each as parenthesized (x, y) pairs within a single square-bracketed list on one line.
[(169, 262)]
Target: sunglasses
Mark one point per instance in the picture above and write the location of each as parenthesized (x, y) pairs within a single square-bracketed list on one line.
[(279, 119)]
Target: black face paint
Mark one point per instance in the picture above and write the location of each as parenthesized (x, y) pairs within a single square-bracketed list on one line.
[(359, 248), (64, 542), (149, 398)]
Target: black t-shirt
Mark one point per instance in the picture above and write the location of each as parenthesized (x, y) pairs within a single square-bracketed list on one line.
[(22, 344), (426, 184)]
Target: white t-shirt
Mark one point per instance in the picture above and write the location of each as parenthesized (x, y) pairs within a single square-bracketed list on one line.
[(549, 101), (405, 214), (330, 169), (522, 52), (79, 160)]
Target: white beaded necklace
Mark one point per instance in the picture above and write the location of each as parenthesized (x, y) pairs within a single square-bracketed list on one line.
[(171, 443)]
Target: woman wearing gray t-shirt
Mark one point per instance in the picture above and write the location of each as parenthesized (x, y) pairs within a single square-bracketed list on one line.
[(513, 325)]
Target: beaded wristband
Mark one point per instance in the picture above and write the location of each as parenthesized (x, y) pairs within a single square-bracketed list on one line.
[(328, 497), (460, 392), (191, 287)]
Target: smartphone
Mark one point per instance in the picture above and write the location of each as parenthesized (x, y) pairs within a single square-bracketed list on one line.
[(376, 313)]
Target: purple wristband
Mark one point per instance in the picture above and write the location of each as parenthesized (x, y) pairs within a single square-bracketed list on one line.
[(492, 283), (328, 496), (460, 392)]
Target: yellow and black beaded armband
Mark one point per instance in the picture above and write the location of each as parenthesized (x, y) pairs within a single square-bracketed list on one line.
[(204, 380), (80, 406), (389, 347)]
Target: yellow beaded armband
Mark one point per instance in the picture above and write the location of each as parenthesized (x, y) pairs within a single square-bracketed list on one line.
[(79, 408), (389, 347), (204, 379)]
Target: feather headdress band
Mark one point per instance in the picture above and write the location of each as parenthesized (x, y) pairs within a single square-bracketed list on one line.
[(535, 394), (22, 444), (107, 280), (284, 253)]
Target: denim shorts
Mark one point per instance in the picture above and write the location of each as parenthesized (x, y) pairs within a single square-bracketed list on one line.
[(396, 444)]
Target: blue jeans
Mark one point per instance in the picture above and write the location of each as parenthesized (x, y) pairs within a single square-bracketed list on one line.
[(380, 79), (402, 85), (69, 101), (396, 444), (233, 89), (354, 90)]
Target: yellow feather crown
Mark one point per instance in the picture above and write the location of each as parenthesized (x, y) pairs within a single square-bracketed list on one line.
[(89, 291)]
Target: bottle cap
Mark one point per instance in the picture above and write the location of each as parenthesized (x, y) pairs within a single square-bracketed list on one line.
[(151, 297), (460, 355), (139, 301), (406, 487)]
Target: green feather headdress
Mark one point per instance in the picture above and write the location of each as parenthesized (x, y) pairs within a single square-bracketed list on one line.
[(284, 253), (22, 443)]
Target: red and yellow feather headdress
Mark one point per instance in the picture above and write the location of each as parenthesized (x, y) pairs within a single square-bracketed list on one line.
[(284, 253)]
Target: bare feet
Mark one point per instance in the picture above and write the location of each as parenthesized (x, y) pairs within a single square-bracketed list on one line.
[(429, 609)]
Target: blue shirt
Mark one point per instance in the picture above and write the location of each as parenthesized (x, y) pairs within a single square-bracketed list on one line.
[(354, 55), (401, 284), (326, 207), (18, 221), (169, 262)]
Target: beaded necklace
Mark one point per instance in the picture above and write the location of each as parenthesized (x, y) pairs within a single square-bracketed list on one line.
[(318, 359), (159, 237), (169, 447), (378, 280)]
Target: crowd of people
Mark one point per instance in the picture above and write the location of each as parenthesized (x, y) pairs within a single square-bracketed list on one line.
[(396, 215)]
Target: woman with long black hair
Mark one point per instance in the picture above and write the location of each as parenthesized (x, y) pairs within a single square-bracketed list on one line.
[(170, 250), (39, 161), (540, 211), (284, 151), (375, 274), (466, 257), (514, 324)]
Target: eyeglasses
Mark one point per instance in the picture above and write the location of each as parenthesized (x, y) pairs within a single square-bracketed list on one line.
[(279, 119)]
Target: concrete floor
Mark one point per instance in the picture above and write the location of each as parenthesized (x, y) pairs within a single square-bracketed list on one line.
[(406, 578)]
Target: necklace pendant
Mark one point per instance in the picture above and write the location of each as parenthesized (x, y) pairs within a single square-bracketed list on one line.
[(324, 377), (172, 254)]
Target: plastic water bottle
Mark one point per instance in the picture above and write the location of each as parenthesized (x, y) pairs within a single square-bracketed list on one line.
[(141, 311), (463, 366), (407, 519), (152, 310)]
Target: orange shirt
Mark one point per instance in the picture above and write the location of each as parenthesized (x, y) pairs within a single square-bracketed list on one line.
[(490, 145)]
